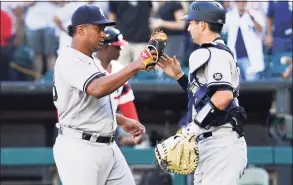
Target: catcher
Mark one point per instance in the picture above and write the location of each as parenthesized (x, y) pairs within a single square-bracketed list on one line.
[(214, 115), (85, 151)]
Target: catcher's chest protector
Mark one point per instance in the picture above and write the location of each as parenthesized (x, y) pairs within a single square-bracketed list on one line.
[(197, 99)]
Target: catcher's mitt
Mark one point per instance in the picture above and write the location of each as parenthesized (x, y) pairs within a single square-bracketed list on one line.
[(178, 154), (157, 42)]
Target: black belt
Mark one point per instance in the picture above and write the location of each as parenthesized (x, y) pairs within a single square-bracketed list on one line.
[(203, 136), (100, 139), (206, 135)]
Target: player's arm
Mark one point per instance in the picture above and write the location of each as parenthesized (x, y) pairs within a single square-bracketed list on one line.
[(82, 76), (125, 139), (220, 91), (222, 96), (131, 126), (105, 85), (90, 80)]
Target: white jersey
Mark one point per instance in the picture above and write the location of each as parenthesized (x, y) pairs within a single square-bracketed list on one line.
[(76, 109), (219, 70)]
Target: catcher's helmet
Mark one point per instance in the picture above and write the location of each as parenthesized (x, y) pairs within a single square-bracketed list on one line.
[(114, 37), (208, 11)]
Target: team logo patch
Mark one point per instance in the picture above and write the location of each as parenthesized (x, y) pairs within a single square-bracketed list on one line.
[(218, 76)]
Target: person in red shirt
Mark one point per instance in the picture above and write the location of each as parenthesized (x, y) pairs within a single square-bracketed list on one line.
[(6, 50), (6, 28)]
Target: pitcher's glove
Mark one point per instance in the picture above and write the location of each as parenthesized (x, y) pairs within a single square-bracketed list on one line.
[(178, 154), (157, 43)]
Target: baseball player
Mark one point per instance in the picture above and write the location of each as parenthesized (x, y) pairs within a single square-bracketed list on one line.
[(214, 115), (85, 151), (123, 97)]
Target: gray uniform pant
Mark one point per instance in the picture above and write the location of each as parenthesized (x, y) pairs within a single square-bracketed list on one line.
[(82, 162), (222, 159)]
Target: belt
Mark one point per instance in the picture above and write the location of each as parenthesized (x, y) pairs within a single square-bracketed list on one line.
[(88, 136), (213, 133)]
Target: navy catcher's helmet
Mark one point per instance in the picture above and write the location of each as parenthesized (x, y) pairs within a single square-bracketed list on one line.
[(207, 11), (114, 37)]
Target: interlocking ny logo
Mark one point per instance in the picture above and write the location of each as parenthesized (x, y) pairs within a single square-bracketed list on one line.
[(102, 13)]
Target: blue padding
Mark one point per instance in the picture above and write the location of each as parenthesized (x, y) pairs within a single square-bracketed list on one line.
[(260, 155), (26, 156), (283, 155), (44, 156)]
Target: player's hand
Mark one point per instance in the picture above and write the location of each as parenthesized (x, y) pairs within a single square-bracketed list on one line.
[(155, 47), (140, 63), (132, 126), (170, 66), (138, 139)]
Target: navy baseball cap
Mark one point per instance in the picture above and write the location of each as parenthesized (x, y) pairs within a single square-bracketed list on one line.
[(88, 14), (207, 11)]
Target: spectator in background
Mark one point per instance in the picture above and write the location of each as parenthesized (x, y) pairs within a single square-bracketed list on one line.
[(6, 35), (40, 34), (167, 18), (132, 19), (63, 15), (245, 28), (279, 26), (261, 6), (15, 11)]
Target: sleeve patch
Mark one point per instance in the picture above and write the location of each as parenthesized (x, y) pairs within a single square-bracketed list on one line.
[(218, 76)]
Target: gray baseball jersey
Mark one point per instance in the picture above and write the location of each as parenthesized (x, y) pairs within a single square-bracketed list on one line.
[(224, 148), (76, 109), (220, 70)]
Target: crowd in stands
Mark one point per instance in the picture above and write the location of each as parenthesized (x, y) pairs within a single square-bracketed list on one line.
[(259, 34)]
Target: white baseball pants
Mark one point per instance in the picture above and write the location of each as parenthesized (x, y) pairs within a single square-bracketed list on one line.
[(222, 159), (81, 162)]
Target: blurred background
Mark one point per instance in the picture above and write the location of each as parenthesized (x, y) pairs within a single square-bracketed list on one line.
[(32, 33)]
